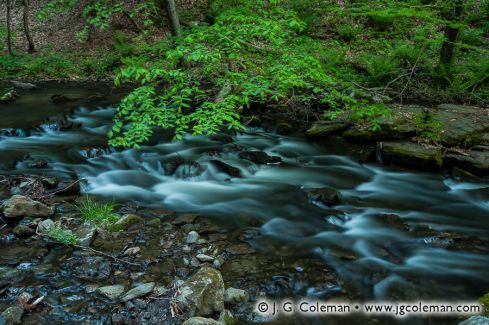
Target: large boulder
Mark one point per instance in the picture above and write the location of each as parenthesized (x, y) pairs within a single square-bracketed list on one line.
[(411, 154), (473, 161), (324, 129), (225, 168), (22, 206), (462, 126), (203, 293)]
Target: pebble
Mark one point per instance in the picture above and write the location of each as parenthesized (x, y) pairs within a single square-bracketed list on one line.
[(205, 258), (132, 251), (192, 237)]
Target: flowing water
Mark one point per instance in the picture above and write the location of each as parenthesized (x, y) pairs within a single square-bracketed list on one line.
[(436, 249)]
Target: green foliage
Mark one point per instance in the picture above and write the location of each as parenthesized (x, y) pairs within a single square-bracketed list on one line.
[(63, 235), (382, 69), (427, 127), (254, 53), (99, 214)]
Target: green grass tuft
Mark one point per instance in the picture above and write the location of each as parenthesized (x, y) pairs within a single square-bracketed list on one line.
[(99, 214)]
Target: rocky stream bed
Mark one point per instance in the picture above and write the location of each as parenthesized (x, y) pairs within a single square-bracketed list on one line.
[(210, 225)]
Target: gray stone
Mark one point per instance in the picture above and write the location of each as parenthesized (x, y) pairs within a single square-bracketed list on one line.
[(86, 234), (235, 296), (192, 237), (112, 292), (127, 221), (22, 206), (475, 320), (471, 160), (13, 314), (184, 219), (203, 293), (45, 226), (139, 291), (205, 258), (9, 275)]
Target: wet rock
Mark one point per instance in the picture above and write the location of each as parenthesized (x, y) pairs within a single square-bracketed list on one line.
[(45, 226), (225, 168), (86, 234), (411, 154), (22, 206), (184, 219), (172, 165), (201, 321), (217, 237), (9, 97), (139, 291), (259, 157), (475, 320), (10, 132), (240, 249), (58, 122), (13, 314), (474, 161), (324, 129), (204, 258), (50, 182), (127, 221), (23, 85), (192, 237), (112, 292), (226, 318), (23, 231), (132, 251), (235, 296), (326, 195), (203, 293)]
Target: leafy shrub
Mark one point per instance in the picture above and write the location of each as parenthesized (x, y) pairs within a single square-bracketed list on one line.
[(427, 127), (347, 32)]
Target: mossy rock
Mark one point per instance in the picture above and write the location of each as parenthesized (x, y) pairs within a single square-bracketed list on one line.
[(127, 221), (9, 96), (411, 154), (325, 129)]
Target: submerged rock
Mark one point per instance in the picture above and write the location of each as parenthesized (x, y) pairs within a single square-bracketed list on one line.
[(112, 292), (139, 291), (23, 85), (259, 157), (326, 195), (324, 129), (22, 206), (411, 154), (203, 293)]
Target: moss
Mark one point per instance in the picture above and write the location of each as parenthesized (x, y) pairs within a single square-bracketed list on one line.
[(484, 300)]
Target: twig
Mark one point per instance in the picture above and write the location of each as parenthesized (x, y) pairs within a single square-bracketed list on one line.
[(65, 188)]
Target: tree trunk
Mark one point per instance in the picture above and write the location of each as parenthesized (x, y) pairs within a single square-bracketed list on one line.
[(453, 16), (171, 11), (9, 32), (31, 48)]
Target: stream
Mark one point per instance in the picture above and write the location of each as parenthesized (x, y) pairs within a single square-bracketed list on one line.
[(397, 234)]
